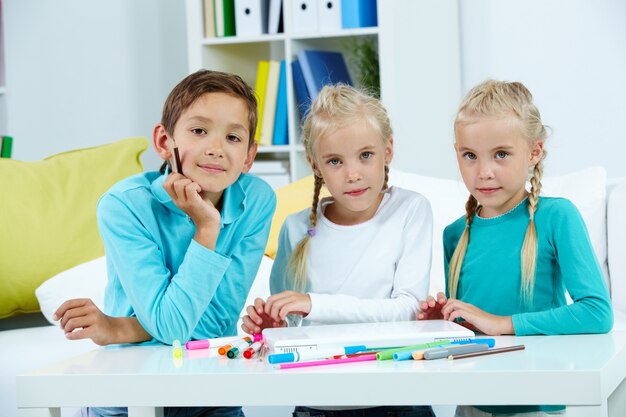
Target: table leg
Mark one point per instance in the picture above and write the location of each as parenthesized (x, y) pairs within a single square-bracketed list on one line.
[(617, 400), (145, 411)]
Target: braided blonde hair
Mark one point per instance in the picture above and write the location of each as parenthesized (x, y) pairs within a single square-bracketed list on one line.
[(335, 107), (500, 99)]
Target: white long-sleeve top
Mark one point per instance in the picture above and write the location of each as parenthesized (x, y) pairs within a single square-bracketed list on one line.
[(370, 272)]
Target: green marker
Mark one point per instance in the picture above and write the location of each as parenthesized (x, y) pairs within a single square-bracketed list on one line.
[(386, 355)]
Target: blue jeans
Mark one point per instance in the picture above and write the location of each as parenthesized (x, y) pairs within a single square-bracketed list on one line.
[(387, 411), (167, 411)]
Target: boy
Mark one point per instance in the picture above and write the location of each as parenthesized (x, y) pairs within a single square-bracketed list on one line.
[(183, 248)]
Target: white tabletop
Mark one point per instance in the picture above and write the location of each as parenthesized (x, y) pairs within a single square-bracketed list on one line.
[(570, 370)]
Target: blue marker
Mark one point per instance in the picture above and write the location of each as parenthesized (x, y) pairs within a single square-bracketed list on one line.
[(313, 354), (485, 340)]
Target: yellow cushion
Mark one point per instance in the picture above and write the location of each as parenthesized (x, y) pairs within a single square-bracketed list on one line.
[(290, 199), (48, 215)]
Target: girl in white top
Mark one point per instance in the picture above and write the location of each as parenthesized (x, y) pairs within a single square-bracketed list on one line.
[(362, 255)]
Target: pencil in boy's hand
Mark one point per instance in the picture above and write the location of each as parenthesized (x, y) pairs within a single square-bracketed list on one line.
[(178, 167), (488, 352)]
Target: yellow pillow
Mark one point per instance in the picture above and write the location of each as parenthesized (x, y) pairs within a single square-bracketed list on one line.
[(290, 199), (48, 215)]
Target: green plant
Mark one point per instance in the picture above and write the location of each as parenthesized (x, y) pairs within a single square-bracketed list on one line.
[(363, 56)]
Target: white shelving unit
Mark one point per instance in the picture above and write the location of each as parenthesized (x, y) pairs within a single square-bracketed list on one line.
[(406, 53)]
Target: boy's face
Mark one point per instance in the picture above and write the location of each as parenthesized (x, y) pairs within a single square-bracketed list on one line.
[(212, 137)]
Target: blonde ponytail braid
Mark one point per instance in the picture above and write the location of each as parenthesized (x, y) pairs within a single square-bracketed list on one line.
[(456, 262)]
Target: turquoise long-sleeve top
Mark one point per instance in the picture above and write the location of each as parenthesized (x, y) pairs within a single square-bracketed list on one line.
[(491, 273), (177, 288)]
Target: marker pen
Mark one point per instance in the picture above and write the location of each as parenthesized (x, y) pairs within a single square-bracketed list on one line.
[(314, 354), (447, 351), (177, 351), (217, 342), (223, 350), (254, 348), (238, 348)]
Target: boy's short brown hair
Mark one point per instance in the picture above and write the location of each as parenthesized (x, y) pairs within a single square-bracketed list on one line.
[(202, 82)]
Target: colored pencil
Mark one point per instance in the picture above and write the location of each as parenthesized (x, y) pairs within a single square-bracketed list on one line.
[(488, 352)]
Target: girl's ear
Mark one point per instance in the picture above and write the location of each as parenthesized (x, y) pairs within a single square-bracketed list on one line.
[(388, 151), (250, 157), (316, 170), (536, 152), (160, 141)]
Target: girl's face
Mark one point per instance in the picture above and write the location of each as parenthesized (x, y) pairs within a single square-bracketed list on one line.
[(494, 159), (352, 160)]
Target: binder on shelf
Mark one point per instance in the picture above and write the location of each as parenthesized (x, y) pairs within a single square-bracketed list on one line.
[(209, 19), (6, 147), (259, 88), (304, 16), (281, 135), (303, 99), (275, 17), (322, 67), (251, 17), (329, 15), (225, 18), (269, 106), (358, 14)]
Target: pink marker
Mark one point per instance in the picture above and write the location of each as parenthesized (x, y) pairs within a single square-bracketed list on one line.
[(217, 342), (362, 358)]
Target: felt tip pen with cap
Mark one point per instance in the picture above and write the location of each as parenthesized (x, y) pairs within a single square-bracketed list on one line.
[(453, 350), (254, 348), (239, 348), (223, 350), (177, 350), (313, 354), (217, 342)]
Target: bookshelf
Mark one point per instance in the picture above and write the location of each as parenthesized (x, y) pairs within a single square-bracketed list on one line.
[(398, 43), (3, 90)]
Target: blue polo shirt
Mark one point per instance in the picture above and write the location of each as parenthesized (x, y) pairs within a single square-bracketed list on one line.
[(177, 288)]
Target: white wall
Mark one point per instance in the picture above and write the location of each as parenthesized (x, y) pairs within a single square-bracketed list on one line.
[(83, 73), (571, 54)]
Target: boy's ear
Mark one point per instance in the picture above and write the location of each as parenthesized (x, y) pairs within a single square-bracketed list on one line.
[(536, 152), (388, 151), (160, 142), (250, 157)]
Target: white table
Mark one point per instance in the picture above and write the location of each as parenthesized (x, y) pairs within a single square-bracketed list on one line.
[(586, 371)]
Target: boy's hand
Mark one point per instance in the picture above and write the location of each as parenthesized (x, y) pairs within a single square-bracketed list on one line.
[(287, 302), (431, 308), (82, 319), (257, 320), (186, 195), (480, 320)]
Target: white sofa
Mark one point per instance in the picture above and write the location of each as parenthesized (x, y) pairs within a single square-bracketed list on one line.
[(601, 202)]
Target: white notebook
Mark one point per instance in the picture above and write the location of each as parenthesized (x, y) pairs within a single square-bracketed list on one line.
[(372, 335)]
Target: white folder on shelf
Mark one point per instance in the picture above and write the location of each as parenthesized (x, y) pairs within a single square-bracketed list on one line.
[(372, 335), (251, 17), (274, 18), (329, 15), (304, 16)]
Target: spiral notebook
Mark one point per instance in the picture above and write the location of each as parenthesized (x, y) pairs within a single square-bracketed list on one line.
[(372, 335)]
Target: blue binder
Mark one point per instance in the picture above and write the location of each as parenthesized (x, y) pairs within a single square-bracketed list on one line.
[(322, 67), (281, 136), (303, 99), (358, 13)]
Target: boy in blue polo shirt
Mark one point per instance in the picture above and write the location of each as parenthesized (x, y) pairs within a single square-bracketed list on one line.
[(183, 247)]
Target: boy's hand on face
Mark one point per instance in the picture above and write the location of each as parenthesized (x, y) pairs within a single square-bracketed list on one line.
[(478, 319), (431, 308), (279, 305), (186, 195), (257, 320)]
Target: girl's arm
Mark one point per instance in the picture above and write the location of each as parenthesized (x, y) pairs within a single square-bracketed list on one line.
[(578, 268)]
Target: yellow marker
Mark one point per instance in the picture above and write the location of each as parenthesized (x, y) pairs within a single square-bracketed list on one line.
[(177, 350)]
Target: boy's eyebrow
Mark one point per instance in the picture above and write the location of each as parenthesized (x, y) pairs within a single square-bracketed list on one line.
[(203, 119)]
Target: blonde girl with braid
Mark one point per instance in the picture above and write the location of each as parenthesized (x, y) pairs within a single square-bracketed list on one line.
[(510, 259), (362, 254)]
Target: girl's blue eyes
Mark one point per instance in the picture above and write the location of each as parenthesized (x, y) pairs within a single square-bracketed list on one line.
[(367, 155), (364, 155), (501, 155), (469, 155), (497, 155)]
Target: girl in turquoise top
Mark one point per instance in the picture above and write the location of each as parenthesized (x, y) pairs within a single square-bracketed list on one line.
[(513, 255)]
